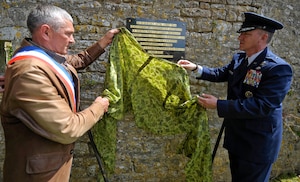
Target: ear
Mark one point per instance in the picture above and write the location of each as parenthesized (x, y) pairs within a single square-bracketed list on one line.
[(45, 31), (265, 37)]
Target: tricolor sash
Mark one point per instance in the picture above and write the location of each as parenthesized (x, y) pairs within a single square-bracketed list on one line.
[(30, 52)]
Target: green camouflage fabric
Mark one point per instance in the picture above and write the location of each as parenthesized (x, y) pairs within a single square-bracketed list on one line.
[(157, 92)]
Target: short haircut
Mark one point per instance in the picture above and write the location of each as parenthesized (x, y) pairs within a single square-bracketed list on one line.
[(51, 15), (270, 36)]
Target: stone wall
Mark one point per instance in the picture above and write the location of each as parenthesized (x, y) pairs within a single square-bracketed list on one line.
[(211, 40)]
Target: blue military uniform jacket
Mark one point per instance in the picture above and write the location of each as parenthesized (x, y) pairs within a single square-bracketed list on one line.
[(253, 110)]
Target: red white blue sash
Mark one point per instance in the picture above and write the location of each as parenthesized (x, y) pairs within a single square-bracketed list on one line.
[(30, 52)]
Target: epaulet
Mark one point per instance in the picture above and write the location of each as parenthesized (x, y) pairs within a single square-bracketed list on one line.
[(273, 58), (239, 55)]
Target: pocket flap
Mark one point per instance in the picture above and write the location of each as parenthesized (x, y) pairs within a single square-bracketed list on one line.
[(46, 162)]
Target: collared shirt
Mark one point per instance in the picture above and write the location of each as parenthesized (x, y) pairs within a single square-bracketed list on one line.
[(253, 57), (58, 58), (198, 72)]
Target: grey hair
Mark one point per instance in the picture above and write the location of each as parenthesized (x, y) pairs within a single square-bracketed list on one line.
[(51, 15), (270, 35)]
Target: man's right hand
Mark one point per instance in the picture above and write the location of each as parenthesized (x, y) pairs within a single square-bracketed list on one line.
[(104, 102), (108, 38), (187, 65)]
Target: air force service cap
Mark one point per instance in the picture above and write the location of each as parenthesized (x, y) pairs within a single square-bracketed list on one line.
[(255, 21)]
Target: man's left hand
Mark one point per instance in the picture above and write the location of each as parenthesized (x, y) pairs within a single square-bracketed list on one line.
[(208, 101), (108, 37)]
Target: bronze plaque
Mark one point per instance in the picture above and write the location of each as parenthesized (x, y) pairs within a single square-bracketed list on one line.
[(160, 38)]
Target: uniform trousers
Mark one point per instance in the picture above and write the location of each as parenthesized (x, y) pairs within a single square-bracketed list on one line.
[(247, 171)]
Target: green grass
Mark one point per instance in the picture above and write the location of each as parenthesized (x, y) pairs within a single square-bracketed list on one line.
[(287, 178)]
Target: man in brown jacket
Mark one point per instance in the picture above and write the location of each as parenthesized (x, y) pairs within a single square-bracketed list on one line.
[(39, 109)]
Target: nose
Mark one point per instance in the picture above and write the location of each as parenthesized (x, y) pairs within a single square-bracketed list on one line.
[(72, 40), (240, 37)]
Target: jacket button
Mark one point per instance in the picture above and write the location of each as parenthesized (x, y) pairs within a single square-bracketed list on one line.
[(72, 151)]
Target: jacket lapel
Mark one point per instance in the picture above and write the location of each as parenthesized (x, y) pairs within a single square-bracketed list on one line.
[(240, 73), (76, 85)]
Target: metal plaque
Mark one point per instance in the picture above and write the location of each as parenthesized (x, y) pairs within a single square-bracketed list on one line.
[(160, 38)]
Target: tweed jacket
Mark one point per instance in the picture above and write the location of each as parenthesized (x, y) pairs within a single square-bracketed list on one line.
[(39, 122), (253, 110)]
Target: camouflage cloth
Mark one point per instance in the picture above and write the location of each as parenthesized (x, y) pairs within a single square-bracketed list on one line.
[(157, 92)]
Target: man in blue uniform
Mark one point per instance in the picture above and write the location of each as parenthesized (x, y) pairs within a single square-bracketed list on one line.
[(258, 81)]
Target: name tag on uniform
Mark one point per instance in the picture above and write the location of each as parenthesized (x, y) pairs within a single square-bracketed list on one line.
[(253, 77)]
